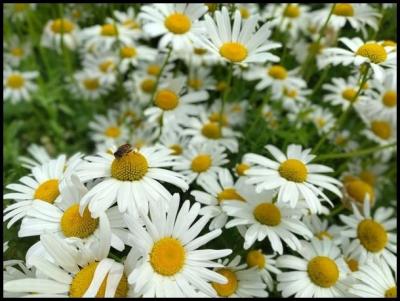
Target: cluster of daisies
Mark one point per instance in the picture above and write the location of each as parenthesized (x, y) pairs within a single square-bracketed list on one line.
[(167, 204)]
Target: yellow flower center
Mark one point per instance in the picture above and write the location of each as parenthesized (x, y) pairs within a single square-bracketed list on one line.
[(153, 70), (195, 83), (109, 30), (255, 258), (323, 234), (20, 7), (292, 93), (267, 214), (177, 149), (112, 132), (358, 190), (382, 129), (47, 191), (225, 290), (178, 23), (167, 256), (349, 94), (241, 168), (390, 99), (229, 194), (166, 100), (217, 117), (323, 271), (147, 85), (291, 11), (277, 72), (91, 83), (352, 264), (200, 51), (233, 51), (75, 225), (131, 24), (128, 52), (320, 122), (372, 235), (389, 43), (84, 277), (106, 66), (244, 12), (343, 9), (368, 177), (391, 292), (15, 81), (211, 130), (62, 26), (201, 163), (373, 51), (221, 86), (293, 170), (130, 167), (18, 52), (340, 140)]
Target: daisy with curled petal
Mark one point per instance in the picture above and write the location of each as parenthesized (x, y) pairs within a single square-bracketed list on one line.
[(216, 191), (376, 280), (177, 23), (59, 32), (239, 43), (130, 178), (371, 235), (88, 85), (323, 119), (242, 281), (131, 54), (321, 229), (265, 218), (171, 264), (18, 86), (16, 51), (200, 161), (320, 271), (293, 175), (371, 53)]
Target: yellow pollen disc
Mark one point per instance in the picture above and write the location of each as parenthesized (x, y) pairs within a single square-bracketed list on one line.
[(15, 81), (391, 292), (212, 7), (236, 108), (292, 93), (130, 167), (382, 129), (62, 26), (112, 132), (358, 190), (147, 85), (277, 72), (166, 100), (211, 130), (47, 191), (390, 99), (323, 234), (128, 52), (195, 83), (167, 256), (373, 51), (131, 24), (106, 66), (323, 271), (389, 43), (267, 214), (233, 51), (153, 70), (109, 30), (91, 83), (293, 170), (320, 122), (255, 258), (315, 48), (221, 86), (178, 23), (241, 168), (20, 7), (372, 235), (352, 264), (349, 94), (291, 11), (216, 117), (229, 194), (201, 163), (340, 140), (368, 177), (200, 51), (18, 52), (84, 277), (343, 9), (244, 12), (75, 225), (225, 290), (177, 149)]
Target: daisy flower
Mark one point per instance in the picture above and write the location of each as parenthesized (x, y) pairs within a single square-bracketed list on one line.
[(18, 86), (59, 32), (172, 139), (380, 130), (293, 97), (239, 43), (200, 79), (292, 175), (242, 281), (130, 113), (216, 191), (16, 51), (321, 229), (356, 190), (323, 119), (130, 178), (171, 264), (248, 10), (371, 236), (88, 85), (130, 21), (197, 56), (234, 113), (146, 135), (352, 259), (18, 11), (104, 65), (343, 140), (240, 168), (200, 161), (265, 218), (131, 54), (176, 23), (320, 272), (299, 46)]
